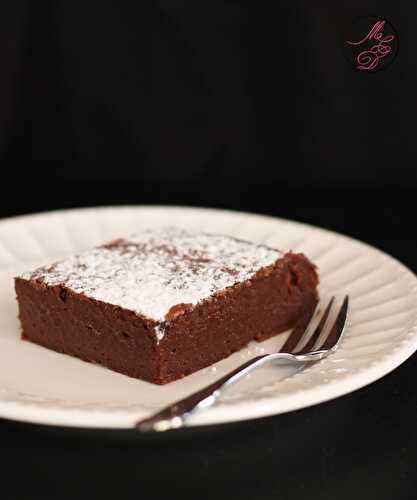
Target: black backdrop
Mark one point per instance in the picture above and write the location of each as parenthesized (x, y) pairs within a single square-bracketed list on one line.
[(245, 105), (225, 92)]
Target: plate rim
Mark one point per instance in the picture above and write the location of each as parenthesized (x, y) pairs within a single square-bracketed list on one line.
[(265, 405)]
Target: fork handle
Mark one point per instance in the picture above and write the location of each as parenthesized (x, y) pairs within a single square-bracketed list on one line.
[(174, 416)]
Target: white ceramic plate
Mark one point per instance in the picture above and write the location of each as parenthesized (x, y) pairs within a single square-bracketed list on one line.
[(38, 385)]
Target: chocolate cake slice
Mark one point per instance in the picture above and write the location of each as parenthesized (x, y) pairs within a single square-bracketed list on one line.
[(165, 303)]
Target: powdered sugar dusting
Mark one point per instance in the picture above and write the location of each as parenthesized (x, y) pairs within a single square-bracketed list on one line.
[(152, 271), (159, 333)]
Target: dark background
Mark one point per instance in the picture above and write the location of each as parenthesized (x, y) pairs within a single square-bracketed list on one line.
[(244, 105)]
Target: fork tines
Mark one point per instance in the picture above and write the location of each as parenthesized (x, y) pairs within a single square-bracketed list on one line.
[(302, 341)]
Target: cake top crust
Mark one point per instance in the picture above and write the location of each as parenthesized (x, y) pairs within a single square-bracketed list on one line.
[(152, 271)]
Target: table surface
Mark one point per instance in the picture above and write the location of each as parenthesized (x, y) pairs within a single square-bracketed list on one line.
[(361, 445)]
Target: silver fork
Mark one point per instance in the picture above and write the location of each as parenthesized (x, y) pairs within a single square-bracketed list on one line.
[(177, 414)]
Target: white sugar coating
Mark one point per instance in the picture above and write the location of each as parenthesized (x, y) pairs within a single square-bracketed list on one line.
[(154, 270)]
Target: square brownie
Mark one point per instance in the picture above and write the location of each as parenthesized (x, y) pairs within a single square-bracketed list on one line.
[(165, 303)]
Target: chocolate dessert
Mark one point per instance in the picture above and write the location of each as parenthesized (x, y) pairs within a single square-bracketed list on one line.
[(165, 303)]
